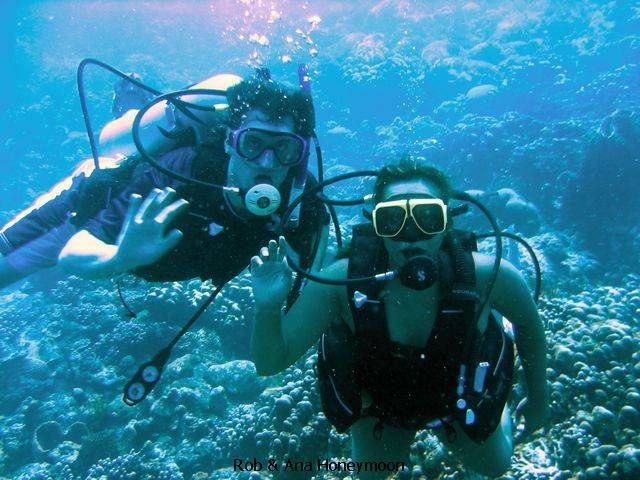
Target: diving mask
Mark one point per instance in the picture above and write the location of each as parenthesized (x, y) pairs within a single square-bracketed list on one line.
[(250, 143), (429, 217)]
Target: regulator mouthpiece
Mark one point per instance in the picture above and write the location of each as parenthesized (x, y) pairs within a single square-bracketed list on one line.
[(419, 273), (262, 199)]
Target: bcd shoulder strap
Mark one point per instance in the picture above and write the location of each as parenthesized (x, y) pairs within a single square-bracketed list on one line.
[(366, 258)]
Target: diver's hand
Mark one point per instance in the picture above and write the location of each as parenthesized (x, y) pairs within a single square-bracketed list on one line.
[(271, 276), (535, 416), (143, 238)]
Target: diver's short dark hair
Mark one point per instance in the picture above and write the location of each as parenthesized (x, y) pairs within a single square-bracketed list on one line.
[(410, 168), (277, 100)]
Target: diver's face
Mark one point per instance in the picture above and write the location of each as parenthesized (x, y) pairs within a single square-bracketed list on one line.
[(400, 249), (265, 168)]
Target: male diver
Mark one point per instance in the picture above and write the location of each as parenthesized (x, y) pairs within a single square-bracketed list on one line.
[(210, 206), (396, 355), (261, 140), (33, 239)]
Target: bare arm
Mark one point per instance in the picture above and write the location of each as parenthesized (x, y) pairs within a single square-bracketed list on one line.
[(512, 298), (318, 261), (278, 340), (116, 137)]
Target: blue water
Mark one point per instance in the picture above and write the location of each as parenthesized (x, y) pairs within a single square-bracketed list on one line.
[(542, 97)]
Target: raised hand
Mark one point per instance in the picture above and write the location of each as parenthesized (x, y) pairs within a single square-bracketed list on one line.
[(271, 276), (144, 237)]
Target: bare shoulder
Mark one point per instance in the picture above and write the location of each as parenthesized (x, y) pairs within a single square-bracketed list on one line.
[(338, 270), (510, 285), (485, 262)]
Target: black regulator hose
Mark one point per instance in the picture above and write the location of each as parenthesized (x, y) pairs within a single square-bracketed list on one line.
[(532, 254), (330, 206), (148, 374), (316, 144), (336, 225), (170, 97), (329, 281), (83, 98), (318, 188)]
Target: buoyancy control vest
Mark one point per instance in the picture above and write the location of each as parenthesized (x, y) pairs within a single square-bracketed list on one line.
[(216, 244), (414, 387), (97, 189)]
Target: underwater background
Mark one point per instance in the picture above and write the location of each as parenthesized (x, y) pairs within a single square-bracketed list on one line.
[(537, 102)]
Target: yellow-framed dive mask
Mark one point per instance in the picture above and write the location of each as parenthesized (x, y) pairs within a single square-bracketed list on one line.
[(429, 216)]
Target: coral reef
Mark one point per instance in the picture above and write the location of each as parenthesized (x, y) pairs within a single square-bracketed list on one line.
[(534, 104)]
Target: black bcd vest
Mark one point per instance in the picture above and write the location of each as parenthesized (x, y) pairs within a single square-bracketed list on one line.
[(413, 387), (221, 255)]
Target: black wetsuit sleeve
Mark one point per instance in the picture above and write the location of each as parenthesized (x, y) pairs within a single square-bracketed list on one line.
[(106, 225)]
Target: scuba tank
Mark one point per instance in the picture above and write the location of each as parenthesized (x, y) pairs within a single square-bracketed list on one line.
[(161, 120)]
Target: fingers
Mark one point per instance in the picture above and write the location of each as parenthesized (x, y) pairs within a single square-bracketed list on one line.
[(273, 252), (269, 252), (134, 205), (282, 249), (526, 429), (169, 213), (164, 199), (273, 249), (256, 262), (155, 202), (168, 198), (142, 211)]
